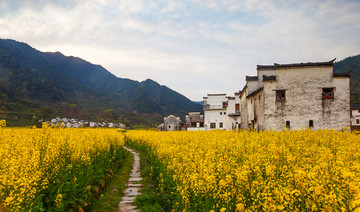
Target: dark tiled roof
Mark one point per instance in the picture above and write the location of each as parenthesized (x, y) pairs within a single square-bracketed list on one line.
[(251, 78), (299, 65), (269, 78), (196, 118), (222, 94), (265, 67), (346, 74), (255, 92)]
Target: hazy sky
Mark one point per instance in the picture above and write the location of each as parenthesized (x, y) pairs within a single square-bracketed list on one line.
[(194, 47)]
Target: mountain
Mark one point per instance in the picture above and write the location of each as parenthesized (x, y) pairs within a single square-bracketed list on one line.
[(199, 102), (351, 64), (37, 83)]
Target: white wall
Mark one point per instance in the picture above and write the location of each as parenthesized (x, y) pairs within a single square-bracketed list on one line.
[(216, 114), (216, 99), (304, 99), (196, 129), (244, 121), (252, 85), (261, 74), (232, 120), (213, 116)]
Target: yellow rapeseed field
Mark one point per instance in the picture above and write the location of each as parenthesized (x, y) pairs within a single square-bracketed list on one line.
[(44, 168), (266, 171)]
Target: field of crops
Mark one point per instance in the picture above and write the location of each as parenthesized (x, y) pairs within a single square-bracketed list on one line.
[(55, 169), (249, 171)]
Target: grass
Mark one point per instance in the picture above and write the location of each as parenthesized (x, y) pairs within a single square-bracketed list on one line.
[(114, 189)]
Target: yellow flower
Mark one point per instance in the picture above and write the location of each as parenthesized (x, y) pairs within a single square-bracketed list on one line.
[(240, 207), (290, 171), (58, 200)]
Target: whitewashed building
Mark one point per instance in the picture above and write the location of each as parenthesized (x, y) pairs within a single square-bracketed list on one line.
[(215, 111), (296, 96), (233, 112)]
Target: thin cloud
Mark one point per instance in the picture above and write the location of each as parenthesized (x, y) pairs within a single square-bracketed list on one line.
[(195, 47)]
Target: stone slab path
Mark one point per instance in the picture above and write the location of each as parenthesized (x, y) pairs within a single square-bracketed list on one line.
[(133, 186)]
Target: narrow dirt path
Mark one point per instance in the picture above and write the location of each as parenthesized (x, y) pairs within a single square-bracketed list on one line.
[(133, 186)]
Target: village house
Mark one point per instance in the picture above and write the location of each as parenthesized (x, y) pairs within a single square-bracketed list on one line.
[(296, 96), (215, 111), (74, 123), (171, 123), (355, 120), (194, 121), (233, 112)]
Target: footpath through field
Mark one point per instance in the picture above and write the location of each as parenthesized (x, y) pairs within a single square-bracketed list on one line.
[(133, 186)]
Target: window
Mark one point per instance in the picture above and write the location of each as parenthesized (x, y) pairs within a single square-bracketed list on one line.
[(311, 123), (280, 96), (237, 107), (220, 113), (288, 125), (225, 104), (212, 125), (357, 121), (259, 98), (221, 125), (224, 113), (328, 93)]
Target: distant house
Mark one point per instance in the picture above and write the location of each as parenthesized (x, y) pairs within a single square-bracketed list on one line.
[(233, 112), (296, 96), (215, 111), (194, 121), (355, 120), (171, 123)]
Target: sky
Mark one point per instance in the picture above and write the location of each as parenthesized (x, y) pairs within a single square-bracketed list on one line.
[(194, 47)]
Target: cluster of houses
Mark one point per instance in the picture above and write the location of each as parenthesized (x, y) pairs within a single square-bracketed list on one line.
[(74, 123), (292, 96)]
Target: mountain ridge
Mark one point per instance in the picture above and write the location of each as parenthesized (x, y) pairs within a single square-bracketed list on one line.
[(74, 78)]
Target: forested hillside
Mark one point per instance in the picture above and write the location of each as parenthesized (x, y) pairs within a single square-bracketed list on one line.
[(351, 64), (32, 82)]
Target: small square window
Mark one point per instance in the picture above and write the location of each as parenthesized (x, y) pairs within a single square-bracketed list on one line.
[(280, 96), (221, 125), (311, 123), (220, 113), (224, 113), (288, 125), (212, 125), (357, 121), (328, 93)]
